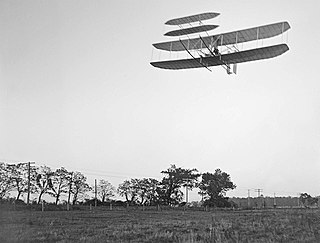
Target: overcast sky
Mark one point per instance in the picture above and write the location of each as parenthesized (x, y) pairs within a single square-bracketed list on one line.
[(77, 90)]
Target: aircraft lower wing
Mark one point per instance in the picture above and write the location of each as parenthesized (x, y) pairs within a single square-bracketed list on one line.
[(231, 58)]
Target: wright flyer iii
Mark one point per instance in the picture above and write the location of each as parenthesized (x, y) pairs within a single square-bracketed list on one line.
[(206, 50)]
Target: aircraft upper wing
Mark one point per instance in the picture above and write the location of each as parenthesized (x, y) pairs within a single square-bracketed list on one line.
[(261, 32), (192, 18), (231, 58)]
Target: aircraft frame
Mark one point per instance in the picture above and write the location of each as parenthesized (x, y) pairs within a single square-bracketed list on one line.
[(206, 51)]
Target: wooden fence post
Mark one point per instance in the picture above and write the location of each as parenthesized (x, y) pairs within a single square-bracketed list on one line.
[(42, 206)]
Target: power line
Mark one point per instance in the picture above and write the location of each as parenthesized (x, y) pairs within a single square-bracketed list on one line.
[(87, 171), (107, 173)]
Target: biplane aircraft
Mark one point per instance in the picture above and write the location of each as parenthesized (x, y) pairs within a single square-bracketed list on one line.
[(206, 51)]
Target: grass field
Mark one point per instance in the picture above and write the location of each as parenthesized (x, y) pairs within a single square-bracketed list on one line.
[(103, 225)]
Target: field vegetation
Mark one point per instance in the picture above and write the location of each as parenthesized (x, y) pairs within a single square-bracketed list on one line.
[(148, 224), (153, 211)]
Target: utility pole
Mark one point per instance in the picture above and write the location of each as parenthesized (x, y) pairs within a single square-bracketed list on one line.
[(259, 191), (70, 184), (95, 192), (28, 196)]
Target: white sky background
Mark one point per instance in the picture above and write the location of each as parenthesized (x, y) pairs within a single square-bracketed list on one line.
[(77, 90)]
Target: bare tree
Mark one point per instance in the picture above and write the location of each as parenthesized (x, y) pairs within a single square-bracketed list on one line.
[(18, 175), (129, 190), (60, 181), (79, 186), (105, 190), (43, 181)]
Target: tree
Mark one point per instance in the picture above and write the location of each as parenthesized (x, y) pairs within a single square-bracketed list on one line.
[(129, 190), (43, 181), (60, 181), (6, 184), (174, 179), (78, 186), (190, 180), (307, 200), (105, 190), (213, 188), (147, 190), (18, 175)]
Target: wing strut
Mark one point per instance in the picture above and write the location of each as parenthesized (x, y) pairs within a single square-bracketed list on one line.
[(193, 56), (202, 41), (225, 65)]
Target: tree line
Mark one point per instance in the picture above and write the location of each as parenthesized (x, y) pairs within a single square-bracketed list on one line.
[(42, 180)]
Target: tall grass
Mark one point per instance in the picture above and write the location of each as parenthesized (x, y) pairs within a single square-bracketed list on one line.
[(160, 226)]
